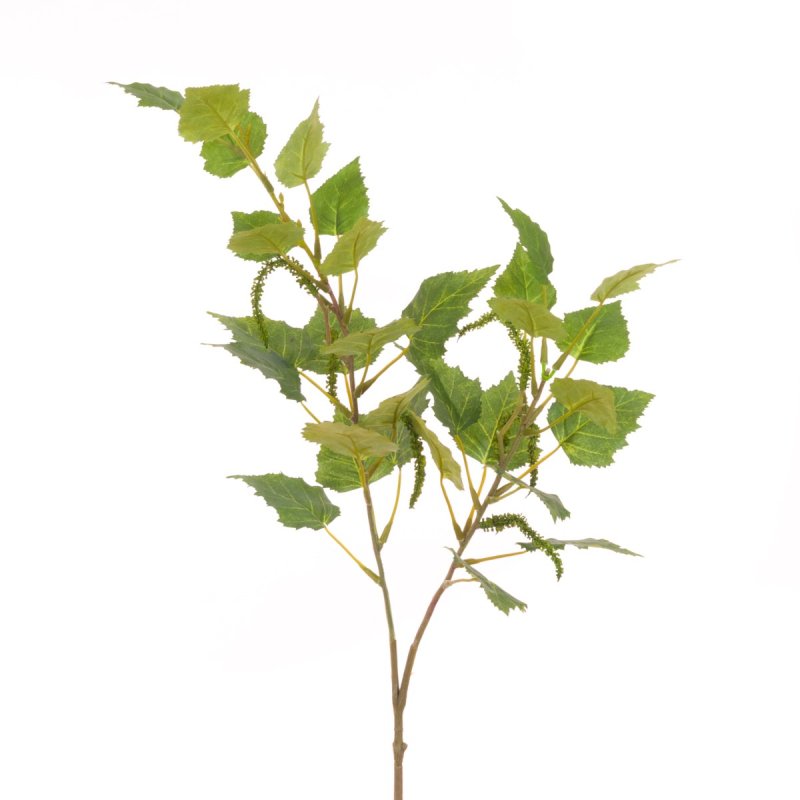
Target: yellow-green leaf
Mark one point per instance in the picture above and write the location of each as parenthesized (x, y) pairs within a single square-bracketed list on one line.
[(301, 157), (341, 200), (274, 238), (533, 318), (592, 399), (352, 247), (369, 342), (349, 440), (209, 112), (440, 453), (625, 281)]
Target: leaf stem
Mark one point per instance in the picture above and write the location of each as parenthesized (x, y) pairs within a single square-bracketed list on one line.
[(366, 569), (459, 533), (494, 558), (330, 397), (310, 413), (364, 386), (388, 529)]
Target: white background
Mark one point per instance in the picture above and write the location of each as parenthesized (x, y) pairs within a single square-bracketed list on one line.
[(163, 637)]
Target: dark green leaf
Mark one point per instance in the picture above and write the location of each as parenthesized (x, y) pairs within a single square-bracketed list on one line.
[(456, 398), (593, 400), (274, 238), (299, 505), (301, 158), (585, 442), (209, 112), (553, 503), (497, 405), (521, 280), (341, 200), (354, 441), (499, 597), (153, 96), (585, 544), (248, 347), (442, 300), (600, 333), (224, 157), (625, 281), (352, 246), (525, 315), (535, 242), (315, 331)]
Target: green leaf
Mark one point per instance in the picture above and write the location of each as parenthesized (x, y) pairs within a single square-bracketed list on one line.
[(390, 410), (370, 341), (600, 333), (209, 112), (274, 238), (592, 399), (525, 315), (456, 398), (352, 247), (299, 505), (588, 444), (441, 301), (535, 243), (153, 96), (480, 438), (248, 221), (521, 280), (315, 331), (248, 347), (553, 503), (302, 156), (442, 457), (499, 597), (625, 281), (339, 472), (224, 157), (355, 441), (341, 200), (585, 544)]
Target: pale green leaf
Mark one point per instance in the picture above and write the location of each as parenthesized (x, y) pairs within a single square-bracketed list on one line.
[(521, 280), (352, 246), (585, 544), (355, 441), (274, 238), (390, 410), (625, 281), (301, 158), (497, 404), (592, 399), (224, 157), (248, 347), (209, 112), (442, 457), (341, 200), (499, 597), (243, 221), (370, 341), (299, 505), (441, 301), (535, 242), (586, 443), (456, 398), (525, 315), (153, 96), (596, 334)]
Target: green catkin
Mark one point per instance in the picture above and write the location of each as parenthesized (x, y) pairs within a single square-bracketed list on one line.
[(295, 268), (524, 364), (534, 451), (419, 459), (481, 322), (500, 522), (332, 375)]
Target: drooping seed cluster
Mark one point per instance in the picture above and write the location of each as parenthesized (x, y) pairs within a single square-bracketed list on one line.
[(500, 522), (419, 459)]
